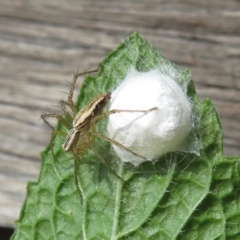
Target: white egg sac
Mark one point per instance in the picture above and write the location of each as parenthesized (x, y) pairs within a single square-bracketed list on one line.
[(154, 133)]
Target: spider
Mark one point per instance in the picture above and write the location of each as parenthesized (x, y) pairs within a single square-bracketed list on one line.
[(81, 126)]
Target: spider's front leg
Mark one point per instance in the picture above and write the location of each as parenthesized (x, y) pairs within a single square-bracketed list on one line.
[(95, 119), (113, 111), (70, 102)]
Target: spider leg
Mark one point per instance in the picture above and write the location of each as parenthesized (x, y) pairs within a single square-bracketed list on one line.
[(102, 159), (72, 87), (55, 115), (113, 111), (92, 129), (47, 115), (63, 107), (56, 132), (117, 144), (76, 179)]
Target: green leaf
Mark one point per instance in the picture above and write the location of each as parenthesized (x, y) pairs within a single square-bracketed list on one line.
[(181, 196)]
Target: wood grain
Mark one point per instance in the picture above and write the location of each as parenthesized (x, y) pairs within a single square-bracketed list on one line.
[(42, 44)]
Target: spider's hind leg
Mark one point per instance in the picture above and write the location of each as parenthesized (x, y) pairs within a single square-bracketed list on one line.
[(118, 145), (102, 160), (58, 116), (76, 179), (56, 132)]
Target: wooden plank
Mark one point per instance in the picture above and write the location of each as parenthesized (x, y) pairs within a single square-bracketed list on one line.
[(42, 44)]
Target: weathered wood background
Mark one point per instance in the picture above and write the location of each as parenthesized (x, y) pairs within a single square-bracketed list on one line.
[(42, 43)]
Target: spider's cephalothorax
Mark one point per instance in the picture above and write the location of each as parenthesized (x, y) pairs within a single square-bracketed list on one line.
[(79, 136)]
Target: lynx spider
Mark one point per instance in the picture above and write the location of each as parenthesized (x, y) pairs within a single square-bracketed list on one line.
[(82, 133)]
